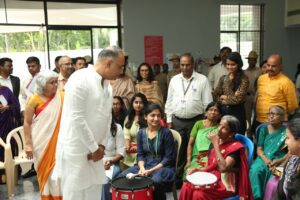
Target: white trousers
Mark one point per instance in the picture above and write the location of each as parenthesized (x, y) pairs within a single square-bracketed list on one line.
[(91, 193)]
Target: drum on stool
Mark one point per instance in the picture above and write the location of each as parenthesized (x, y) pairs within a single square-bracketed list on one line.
[(132, 189)]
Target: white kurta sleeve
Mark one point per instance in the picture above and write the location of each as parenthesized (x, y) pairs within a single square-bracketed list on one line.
[(76, 96)]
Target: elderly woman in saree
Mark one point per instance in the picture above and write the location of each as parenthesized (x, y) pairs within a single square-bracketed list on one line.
[(197, 151), (147, 85), (270, 151), (227, 160), (41, 128), (9, 118)]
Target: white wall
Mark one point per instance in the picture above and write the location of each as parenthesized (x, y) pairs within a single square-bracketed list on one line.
[(186, 27), (193, 26)]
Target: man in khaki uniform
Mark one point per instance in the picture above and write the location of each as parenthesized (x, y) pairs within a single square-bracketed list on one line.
[(253, 73), (176, 68)]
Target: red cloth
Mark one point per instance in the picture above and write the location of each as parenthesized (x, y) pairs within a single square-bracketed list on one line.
[(40, 109), (219, 191)]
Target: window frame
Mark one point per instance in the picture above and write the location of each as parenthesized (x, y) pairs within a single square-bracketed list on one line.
[(239, 31), (48, 27)]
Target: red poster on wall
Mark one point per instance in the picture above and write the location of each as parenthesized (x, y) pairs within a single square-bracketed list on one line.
[(153, 49)]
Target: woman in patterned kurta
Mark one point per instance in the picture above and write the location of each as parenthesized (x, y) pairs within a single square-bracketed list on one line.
[(133, 122), (147, 84), (156, 154), (269, 150), (232, 89)]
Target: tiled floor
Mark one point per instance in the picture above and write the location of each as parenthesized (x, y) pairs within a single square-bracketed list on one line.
[(27, 189)]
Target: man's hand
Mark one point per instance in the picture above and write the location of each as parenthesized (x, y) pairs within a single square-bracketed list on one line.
[(97, 155), (170, 125)]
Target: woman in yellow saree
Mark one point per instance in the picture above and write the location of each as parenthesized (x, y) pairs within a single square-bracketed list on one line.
[(41, 128)]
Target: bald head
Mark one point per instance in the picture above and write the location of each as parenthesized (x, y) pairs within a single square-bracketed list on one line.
[(276, 57), (274, 65), (65, 66)]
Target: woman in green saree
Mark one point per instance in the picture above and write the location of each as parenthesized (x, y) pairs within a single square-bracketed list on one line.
[(270, 151), (198, 145)]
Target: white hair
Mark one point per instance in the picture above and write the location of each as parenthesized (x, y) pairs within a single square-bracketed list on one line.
[(110, 52), (41, 80)]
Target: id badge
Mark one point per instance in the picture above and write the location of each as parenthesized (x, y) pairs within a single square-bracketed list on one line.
[(183, 103)]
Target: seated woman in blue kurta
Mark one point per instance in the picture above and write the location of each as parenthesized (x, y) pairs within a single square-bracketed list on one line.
[(270, 151), (156, 152)]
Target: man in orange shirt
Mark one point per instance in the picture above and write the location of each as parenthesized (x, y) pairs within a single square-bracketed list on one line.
[(274, 88)]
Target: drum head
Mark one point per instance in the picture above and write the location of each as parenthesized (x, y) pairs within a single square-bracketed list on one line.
[(137, 183), (202, 178)]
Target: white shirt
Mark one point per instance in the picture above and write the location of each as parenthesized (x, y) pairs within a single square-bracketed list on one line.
[(215, 74), (85, 122), (6, 82), (115, 145), (27, 89), (193, 103)]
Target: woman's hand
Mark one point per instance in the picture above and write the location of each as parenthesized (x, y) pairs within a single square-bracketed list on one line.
[(145, 172), (268, 162), (148, 172), (274, 163), (142, 171), (192, 170), (28, 150), (107, 165), (187, 164), (3, 108), (214, 138), (223, 99)]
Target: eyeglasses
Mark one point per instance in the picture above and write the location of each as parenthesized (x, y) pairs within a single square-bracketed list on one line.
[(54, 82), (273, 114)]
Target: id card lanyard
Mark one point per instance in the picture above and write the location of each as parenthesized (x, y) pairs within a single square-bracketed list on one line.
[(187, 88), (156, 142)]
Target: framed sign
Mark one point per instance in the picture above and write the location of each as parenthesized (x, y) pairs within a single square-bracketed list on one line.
[(153, 49)]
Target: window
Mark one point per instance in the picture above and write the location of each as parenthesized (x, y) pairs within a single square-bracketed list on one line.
[(60, 13), (241, 29), (73, 29)]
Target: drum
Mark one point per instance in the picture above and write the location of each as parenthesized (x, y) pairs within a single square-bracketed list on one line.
[(202, 180), (139, 187)]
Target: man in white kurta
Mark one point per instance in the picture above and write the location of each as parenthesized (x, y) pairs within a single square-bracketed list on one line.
[(84, 126)]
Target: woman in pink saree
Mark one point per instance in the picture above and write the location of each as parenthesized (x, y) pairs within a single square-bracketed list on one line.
[(41, 128)]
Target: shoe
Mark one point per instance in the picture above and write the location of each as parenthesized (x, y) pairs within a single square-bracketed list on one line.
[(30, 173)]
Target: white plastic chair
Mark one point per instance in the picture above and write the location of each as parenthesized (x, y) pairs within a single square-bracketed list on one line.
[(177, 139), (7, 167), (18, 135)]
